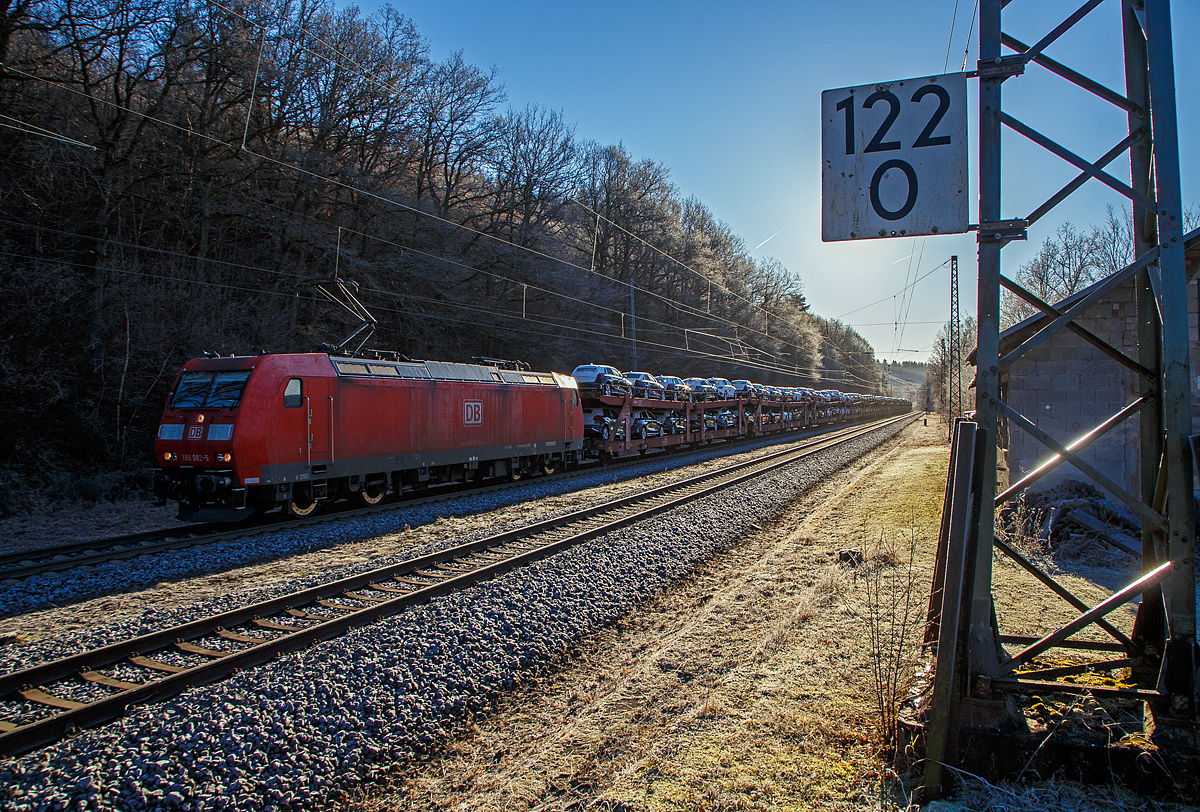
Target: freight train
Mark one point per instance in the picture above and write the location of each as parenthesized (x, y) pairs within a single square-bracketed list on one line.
[(251, 434)]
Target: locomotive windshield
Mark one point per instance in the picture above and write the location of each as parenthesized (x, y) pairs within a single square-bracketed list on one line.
[(209, 390)]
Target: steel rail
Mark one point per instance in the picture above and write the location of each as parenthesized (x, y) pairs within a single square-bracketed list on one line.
[(12, 561), (101, 551), (411, 582), (112, 549)]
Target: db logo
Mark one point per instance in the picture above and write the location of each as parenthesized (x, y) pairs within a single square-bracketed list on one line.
[(472, 412), (194, 432)]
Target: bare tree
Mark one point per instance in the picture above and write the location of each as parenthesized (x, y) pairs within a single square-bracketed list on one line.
[(195, 160), (937, 379), (1071, 260), (457, 133), (1065, 264), (536, 167)]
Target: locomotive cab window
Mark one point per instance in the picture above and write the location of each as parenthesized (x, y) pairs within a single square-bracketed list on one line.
[(209, 390), (227, 389), (191, 390), (293, 394)]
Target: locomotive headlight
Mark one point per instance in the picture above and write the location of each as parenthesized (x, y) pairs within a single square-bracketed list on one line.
[(224, 458), (199, 418), (168, 456)]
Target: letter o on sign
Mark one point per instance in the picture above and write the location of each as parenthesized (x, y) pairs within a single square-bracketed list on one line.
[(472, 412), (909, 174)]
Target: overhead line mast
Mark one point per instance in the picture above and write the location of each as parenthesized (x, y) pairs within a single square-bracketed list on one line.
[(955, 360), (894, 165)]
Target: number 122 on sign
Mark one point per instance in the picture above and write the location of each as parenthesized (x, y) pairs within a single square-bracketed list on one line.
[(894, 159)]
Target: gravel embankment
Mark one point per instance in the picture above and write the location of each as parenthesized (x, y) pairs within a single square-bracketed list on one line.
[(296, 733), (57, 589)]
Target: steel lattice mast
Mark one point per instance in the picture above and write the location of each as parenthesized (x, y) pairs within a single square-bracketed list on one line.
[(956, 350), (965, 625)]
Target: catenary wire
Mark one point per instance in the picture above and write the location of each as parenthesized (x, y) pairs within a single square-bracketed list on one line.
[(673, 330), (908, 309), (970, 31), (33, 129), (683, 307), (893, 296), (592, 335), (950, 40)]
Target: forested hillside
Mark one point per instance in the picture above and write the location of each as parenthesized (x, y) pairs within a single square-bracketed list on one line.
[(173, 171), (904, 378)]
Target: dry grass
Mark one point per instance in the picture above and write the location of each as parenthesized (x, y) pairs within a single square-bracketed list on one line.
[(831, 584), (893, 618), (1051, 795), (1019, 526)]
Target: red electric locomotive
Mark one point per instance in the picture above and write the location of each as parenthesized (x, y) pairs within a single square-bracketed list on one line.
[(252, 433)]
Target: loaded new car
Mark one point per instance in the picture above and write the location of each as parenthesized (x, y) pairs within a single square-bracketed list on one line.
[(646, 385), (644, 424), (603, 425), (726, 419), (674, 423), (701, 389), (675, 388), (602, 379), (744, 389), (725, 390)]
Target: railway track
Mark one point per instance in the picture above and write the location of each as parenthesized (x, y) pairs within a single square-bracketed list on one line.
[(28, 563), (94, 687)]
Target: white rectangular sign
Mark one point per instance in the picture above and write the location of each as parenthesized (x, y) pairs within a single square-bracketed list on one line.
[(894, 159)]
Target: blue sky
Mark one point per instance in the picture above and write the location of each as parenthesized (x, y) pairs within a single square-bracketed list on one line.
[(727, 95)]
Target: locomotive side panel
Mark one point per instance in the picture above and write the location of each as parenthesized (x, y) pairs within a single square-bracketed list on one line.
[(291, 409), (377, 418), (418, 424), (362, 422)]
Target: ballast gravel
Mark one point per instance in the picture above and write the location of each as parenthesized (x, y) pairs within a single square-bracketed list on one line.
[(297, 733), (65, 587)]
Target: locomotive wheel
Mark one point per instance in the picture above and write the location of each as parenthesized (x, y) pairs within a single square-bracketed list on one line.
[(372, 494), (515, 474), (302, 504), (549, 467)]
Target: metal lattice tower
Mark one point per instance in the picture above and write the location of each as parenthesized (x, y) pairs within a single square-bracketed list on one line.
[(955, 359), (975, 674)]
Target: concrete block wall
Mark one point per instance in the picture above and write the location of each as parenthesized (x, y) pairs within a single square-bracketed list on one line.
[(1066, 387)]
